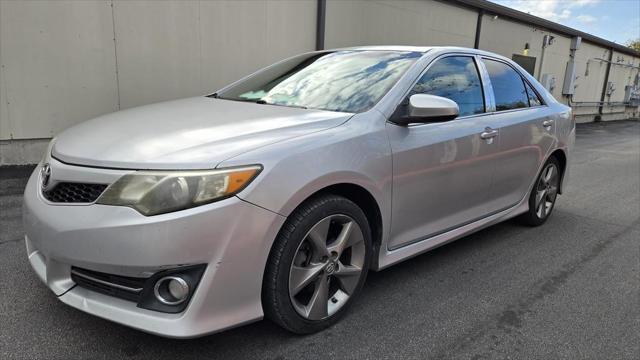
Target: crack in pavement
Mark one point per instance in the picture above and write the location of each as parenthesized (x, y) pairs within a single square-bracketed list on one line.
[(511, 318)]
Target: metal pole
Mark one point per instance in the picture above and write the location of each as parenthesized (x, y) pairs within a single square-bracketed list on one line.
[(545, 40), (604, 86), (321, 18), (476, 43)]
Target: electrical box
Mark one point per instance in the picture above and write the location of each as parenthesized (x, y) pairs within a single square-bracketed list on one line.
[(632, 95), (548, 81), (575, 43), (569, 85)]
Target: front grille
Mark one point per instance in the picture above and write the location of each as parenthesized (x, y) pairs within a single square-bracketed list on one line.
[(124, 287), (68, 192)]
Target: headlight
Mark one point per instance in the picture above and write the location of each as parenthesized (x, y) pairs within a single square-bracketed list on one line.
[(157, 192)]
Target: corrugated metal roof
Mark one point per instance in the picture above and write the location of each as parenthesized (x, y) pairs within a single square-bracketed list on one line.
[(519, 16)]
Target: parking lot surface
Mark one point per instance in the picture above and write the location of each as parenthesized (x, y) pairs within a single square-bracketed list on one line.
[(566, 290)]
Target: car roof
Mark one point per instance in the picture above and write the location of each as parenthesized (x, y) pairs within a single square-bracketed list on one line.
[(388, 48), (421, 49)]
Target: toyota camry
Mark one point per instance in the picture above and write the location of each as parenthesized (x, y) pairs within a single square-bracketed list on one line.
[(274, 196)]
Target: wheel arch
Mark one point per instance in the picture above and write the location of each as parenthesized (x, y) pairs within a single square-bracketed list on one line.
[(364, 199), (561, 156)]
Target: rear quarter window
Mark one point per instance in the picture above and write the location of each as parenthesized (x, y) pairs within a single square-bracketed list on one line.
[(534, 99)]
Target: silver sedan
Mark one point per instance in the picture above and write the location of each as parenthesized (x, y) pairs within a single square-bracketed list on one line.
[(274, 196)]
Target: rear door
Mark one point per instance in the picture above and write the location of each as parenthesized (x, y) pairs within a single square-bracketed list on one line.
[(442, 172), (526, 133)]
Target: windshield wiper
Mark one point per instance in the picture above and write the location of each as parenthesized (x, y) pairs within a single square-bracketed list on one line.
[(263, 102), (259, 101)]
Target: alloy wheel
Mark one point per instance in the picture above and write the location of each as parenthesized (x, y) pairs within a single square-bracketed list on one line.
[(327, 267), (546, 191)]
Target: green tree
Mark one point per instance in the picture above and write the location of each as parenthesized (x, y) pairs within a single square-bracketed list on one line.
[(634, 44)]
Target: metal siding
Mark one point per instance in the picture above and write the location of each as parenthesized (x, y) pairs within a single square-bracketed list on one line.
[(414, 22), (58, 66), (158, 50), (622, 75), (590, 86), (506, 38), (59, 61)]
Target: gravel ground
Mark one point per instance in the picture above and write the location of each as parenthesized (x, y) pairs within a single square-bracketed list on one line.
[(566, 290)]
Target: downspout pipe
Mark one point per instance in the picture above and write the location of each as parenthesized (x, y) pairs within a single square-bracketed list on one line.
[(321, 19), (545, 42), (476, 43)]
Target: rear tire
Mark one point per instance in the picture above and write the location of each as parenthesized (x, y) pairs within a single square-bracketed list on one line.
[(543, 195), (317, 265)]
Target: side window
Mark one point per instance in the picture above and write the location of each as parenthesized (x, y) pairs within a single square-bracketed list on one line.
[(455, 78), (508, 86), (534, 100)]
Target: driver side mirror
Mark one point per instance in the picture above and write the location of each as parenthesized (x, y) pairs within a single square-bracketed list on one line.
[(423, 108)]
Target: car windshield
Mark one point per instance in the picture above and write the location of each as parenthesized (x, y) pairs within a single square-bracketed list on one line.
[(347, 80)]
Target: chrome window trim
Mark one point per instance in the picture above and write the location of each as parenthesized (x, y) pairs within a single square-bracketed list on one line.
[(443, 56), (487, 87), (473, 56), (543, 102), (518, 109)]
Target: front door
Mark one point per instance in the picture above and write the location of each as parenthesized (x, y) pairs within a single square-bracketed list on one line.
[(442, 172)]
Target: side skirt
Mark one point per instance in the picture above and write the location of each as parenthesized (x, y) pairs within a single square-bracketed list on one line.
[(391, 257)]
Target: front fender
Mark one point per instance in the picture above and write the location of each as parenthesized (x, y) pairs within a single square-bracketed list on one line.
[(356, 152)]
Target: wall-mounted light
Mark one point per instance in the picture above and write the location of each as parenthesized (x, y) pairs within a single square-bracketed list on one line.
[(547, 40), (525, 51)]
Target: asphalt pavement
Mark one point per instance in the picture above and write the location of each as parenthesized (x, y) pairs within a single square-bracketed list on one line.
[(566, 290)]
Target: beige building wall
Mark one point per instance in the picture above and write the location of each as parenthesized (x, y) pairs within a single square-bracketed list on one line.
[(64, 62), (623, 71), (172, 49), (622, 75), (392, 22), (507, 37), (58, 66), (589, 83)]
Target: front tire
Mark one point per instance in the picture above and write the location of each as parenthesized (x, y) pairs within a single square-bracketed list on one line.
[(317, 265), (543, 195)]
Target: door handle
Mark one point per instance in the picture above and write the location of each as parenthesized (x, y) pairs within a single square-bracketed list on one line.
[(547, 124), (488, 133)]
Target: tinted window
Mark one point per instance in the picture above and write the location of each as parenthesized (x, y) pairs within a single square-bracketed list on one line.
[(455, 78), (508, 87), (534, 100), (349, 81)]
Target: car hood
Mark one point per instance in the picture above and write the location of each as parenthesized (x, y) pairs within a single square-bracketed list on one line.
[(193, 133)]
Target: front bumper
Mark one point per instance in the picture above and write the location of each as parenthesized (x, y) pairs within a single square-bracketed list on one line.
[(231, 236)]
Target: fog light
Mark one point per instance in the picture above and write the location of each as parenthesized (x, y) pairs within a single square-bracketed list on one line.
[(171, 290)]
